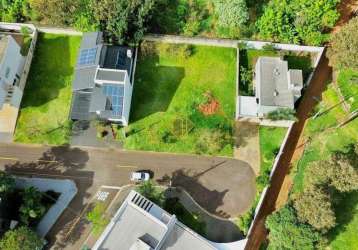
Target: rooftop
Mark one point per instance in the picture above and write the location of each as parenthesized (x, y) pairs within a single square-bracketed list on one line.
[(3, 45), (140, 224)]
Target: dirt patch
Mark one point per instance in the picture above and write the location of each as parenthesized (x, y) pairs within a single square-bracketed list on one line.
[(211, 105)]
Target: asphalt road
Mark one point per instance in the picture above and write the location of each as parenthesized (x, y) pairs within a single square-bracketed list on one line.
[(223, 186)]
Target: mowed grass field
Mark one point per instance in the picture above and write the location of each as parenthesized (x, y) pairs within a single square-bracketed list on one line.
[(46, 102), (325, 139), (171, 83)]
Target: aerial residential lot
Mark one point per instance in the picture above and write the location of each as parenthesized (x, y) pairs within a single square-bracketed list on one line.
[(184, 99), (46, 102)]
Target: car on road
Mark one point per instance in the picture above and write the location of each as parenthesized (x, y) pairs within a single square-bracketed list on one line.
[(140, 176)]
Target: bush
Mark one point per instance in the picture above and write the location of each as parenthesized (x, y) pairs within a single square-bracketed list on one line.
[(7, 183), (286, 232), (282, 114), (21, 238), (99, 221), (32, 207), (151, 192)]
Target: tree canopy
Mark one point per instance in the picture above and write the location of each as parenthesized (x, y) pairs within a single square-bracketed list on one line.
[(286, 232), (298, 21), (21, 238), (343, 51), (231, 13)]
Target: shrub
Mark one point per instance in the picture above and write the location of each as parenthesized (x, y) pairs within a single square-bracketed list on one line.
[(96, 216), (151, 192), (21, 238), (314, 206), (7, 183), (31, 208), (282, 114), (286, 232)]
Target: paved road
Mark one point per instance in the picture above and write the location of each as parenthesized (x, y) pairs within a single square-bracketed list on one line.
[(223, 186)]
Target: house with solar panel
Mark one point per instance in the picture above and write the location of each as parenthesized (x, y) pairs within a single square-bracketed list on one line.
[(103, 82)]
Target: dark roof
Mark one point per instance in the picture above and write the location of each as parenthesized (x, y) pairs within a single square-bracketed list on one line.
[(80, 105), (116, 58)]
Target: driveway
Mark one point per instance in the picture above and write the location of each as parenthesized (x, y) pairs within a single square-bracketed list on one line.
[(223, 186)]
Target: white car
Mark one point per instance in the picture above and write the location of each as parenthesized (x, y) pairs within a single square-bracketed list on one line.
[(140, 176)]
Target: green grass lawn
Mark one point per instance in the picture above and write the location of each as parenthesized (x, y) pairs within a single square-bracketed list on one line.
[(248, 58), (326, 138), (348, 84), (47, 96), (169, 87)]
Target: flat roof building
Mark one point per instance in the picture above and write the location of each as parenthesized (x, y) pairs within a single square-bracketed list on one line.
[(139, 224)]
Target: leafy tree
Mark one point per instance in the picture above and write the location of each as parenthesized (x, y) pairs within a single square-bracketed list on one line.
[(343, 52), (151, 192), (231, 13), (298, 21), (124, 21), (21, 238), (7, 183), (96, 216), (31, 208), (14, 10), (286, 232), (314, 206)]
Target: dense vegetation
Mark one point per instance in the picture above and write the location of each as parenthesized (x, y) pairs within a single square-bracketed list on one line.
[(294, 21)]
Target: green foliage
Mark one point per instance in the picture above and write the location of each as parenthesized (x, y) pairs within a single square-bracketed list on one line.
[(314, 206), (286, 232), (7, 183), (98, 219), (151, 192), (282, 114), (14, 10), (21, 238), (348, 85), (124, 21), (343, 52), (231, 13), (31, 208), (297, 21), (211, 141)]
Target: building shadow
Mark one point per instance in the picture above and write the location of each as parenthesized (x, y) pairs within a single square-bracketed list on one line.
[(154, 87), (61, 163), (50, 70)]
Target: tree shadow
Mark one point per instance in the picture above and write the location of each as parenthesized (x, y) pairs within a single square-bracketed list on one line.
[(244, 131), (210, 200), (155, 86), (61, 162), (50, 70)]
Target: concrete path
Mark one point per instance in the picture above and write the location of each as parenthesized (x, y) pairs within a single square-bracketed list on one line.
[(223, 186), (247, 145)]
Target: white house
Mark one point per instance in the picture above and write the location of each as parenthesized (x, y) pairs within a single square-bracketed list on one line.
[(103, 83), (11, 67)]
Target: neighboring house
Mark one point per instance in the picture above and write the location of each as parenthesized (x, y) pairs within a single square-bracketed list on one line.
[(11, 86), (103, 82), (139, 224), (275, 86)]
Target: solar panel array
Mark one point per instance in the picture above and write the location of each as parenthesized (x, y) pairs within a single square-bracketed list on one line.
[(115, 92), (87, 56)]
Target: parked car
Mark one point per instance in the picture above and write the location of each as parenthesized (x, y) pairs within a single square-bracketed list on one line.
[(140, 176)]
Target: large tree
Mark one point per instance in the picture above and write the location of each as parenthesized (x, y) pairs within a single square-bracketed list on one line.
[(314, 206), (125, 21), (343, 50), (21, 238), (286, 232), (298, 21)]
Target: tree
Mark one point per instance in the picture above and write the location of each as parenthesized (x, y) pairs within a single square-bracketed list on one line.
[(7, 183), (231, 13), (21, 238), (314, 206), (297, 21), (31, 208), (125, 21), (286, 232), (343, 50), (96, 216)]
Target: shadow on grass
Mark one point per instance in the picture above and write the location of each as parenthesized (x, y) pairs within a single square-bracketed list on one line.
[(67, 163), (154, 87), (50, 70)]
